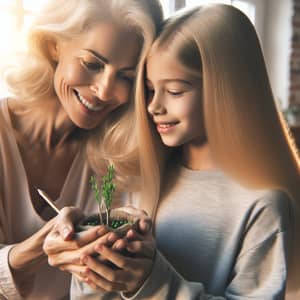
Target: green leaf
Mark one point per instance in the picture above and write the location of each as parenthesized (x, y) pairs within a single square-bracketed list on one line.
[(108, 187), (95, 188)]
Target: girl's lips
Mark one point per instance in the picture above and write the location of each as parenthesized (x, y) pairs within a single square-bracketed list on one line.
[(165, 127)]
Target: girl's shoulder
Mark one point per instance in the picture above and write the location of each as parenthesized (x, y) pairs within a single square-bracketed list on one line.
[(275, 201)]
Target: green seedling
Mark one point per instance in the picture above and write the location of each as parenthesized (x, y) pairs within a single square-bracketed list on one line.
[(105, 198)]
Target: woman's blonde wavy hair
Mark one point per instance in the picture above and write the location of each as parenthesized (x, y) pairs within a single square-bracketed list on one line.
[(30, 77), (245, 130)]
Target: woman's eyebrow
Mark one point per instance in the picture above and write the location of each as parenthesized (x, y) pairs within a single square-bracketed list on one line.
[(98, 55), (106, 61)]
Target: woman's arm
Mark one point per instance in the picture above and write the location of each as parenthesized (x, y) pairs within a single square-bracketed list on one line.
[(18, 263)]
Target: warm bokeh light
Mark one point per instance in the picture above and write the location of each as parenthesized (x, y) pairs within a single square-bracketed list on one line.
[(15, 16)]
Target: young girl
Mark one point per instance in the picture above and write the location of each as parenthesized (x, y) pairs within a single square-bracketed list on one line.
[(71, 96), (230, 178)]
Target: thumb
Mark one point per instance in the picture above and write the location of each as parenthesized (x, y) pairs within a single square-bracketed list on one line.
[(66, 219)]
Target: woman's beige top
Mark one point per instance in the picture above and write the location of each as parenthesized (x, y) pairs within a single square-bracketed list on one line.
[(19, 220)]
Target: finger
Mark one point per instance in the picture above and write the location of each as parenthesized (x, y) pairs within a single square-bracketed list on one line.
[(91, 284), (79, 271), (121, 261), (134, 235), (119, 245), (90, 235), (66, 219), (54, 243), (63, 258), (144, 225), (103, 276), (145, 249), (107, 239)]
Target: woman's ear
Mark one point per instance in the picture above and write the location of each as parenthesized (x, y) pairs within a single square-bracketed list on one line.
[(53, 49)]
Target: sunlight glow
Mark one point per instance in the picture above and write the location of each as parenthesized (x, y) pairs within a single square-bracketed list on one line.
[(15, 16), (33, 5), (246, 7)]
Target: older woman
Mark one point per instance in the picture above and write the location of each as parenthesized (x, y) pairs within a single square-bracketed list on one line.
[(71, 97)]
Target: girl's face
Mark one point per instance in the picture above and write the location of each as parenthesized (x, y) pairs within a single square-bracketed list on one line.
[(95, 72), (174, 100)]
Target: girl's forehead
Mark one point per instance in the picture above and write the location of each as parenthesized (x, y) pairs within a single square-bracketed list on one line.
[(162, 64)]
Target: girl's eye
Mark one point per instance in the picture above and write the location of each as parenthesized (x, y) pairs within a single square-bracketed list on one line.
[(92, 66), (149, 93), (174, 93)]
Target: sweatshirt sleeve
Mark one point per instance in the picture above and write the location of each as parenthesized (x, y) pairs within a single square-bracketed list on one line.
[(165, 283), (258, 274), (8, 289)]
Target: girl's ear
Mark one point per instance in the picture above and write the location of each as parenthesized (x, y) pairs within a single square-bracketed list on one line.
[(53, 49)]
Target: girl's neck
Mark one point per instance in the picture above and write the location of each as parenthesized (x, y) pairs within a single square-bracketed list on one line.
[(197, 156)]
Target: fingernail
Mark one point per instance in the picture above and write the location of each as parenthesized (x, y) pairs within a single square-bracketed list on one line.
[(130, 233), (147, 226), (99, 248), (111, 237), (66, 232), (101, 231), (84, 259)]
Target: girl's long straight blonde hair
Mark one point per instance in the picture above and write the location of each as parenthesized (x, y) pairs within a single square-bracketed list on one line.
[(245, 130)]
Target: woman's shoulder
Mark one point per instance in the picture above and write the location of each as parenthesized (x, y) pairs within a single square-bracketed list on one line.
[(4, 115)]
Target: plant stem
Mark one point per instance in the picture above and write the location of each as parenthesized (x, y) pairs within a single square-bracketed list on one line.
[(100, 214)]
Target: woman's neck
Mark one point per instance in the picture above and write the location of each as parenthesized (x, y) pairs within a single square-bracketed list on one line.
[(43, 123), (197, 156)]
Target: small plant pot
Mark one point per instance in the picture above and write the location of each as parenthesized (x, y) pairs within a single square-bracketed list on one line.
[(119, 221)]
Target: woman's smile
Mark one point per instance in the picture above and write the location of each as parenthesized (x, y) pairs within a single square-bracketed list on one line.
[(92, 107)]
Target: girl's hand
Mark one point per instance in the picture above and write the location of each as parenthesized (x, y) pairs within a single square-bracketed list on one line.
[(130, 272)]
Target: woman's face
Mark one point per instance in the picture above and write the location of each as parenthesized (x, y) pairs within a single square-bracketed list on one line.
[(95, 72), (174, 100)]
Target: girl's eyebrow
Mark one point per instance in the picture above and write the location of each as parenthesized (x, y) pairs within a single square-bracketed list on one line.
[(106, 61), (167, 80)]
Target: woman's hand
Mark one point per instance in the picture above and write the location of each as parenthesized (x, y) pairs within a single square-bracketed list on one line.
[(66, 219), (64, 247), (68, 250), (130, 271), (66, 255)]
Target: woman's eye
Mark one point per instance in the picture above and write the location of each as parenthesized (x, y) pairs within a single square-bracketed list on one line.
[(92, 66), (126, 77)]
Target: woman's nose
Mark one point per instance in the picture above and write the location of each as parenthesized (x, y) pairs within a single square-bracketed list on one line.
[(103, 87)]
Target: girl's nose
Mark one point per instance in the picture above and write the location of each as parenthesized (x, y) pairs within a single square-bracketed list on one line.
[(155, 107)]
